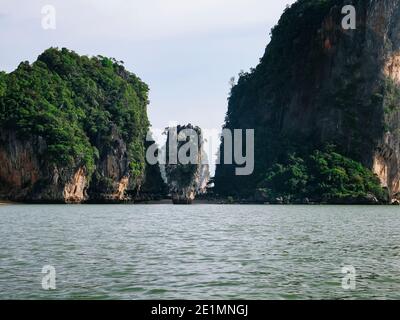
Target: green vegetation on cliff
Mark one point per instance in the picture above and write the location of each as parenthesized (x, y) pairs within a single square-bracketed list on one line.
[(321, 176), (77, 104), (2, 83)]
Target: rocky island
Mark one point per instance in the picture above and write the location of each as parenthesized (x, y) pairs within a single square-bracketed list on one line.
[(325, 105), (72, 130)]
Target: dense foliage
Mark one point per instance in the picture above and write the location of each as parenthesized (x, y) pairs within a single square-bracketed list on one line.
[(76, 104), (322, 176)]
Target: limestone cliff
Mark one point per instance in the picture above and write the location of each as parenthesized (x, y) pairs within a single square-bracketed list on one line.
[(188, 175), (24, 175), (319, 84), (72, 129)]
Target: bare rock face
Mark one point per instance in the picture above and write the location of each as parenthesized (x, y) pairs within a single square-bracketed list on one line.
[(112, 178), (26, 176), (75, 190), (368, 62)]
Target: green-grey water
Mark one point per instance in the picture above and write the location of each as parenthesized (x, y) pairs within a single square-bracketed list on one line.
[(199, 251)]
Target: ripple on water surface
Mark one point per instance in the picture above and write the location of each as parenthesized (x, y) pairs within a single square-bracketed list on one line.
[(199, 251)]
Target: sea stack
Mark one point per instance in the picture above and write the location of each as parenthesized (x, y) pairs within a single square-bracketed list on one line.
[(186, 171)]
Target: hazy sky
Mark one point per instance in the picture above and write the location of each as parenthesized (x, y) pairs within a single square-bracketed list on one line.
[(186, 50)]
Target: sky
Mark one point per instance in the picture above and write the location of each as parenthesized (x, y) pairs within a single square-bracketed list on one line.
[(185, 50)]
